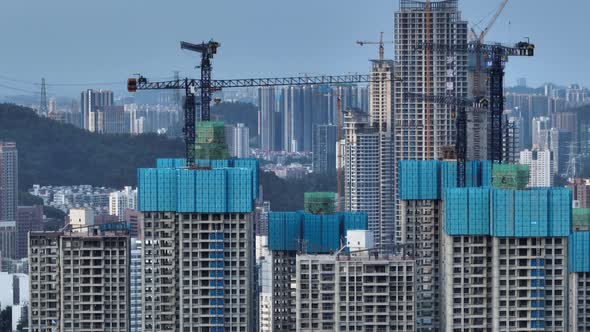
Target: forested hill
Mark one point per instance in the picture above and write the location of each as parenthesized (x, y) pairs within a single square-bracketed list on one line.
[(51, 153)]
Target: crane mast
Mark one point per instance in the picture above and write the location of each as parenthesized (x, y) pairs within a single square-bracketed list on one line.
[(499, 54)]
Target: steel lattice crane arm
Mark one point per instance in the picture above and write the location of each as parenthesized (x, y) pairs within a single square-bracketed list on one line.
[(206, 86), (519, 49), (142, 83), (448, 100)]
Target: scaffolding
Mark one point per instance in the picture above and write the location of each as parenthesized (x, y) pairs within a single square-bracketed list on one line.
[(210, 141), (510, 176), (581, 219), (320, 203)]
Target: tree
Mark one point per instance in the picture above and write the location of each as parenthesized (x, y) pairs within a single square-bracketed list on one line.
[(52, 153), (6, 320)]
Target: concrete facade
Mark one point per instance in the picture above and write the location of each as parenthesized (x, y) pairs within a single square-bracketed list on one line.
[(283, 299), (420, 224), (354, 294), (579, 301), (135, 287), (423, 130), (79, 281), (8, 237), (197, 272), (504, 284)]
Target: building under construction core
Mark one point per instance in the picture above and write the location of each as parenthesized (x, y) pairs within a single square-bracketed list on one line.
[(423, 129)]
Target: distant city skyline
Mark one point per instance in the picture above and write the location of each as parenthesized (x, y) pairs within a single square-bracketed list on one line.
[(107, 42)]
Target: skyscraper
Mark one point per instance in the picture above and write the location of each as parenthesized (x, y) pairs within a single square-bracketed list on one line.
[(238, 140), (422, 187), (90, 100), (381, 120), (198, 245), (324, 149), (361, 171), (8, 181), (422, 129), (266, 118), (301, 108)]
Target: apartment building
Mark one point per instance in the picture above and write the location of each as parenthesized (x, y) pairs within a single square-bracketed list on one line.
[(362, 293), (198, 246), (504, 259), (79, 281)]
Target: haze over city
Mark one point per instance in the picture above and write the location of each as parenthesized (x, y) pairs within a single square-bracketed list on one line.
[(69, 41)]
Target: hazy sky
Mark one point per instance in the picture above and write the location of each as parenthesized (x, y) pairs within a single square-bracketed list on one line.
[(79, 41)]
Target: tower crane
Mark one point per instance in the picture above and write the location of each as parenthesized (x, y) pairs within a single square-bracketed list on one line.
[(478, 40), (207, 51), (481, 104), (207, 86), (499, 55), (381, 44), (338, 95)]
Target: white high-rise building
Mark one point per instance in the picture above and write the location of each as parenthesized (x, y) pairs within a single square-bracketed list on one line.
[(121, 200), (368, 156), (423, 129), (541, 126), (361, 169), (541, 166), (238, 140)]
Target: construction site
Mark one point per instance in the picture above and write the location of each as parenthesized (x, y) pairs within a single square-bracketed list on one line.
[(433, 226)]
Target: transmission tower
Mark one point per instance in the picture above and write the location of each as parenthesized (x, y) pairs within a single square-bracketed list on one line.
[(43, 108)]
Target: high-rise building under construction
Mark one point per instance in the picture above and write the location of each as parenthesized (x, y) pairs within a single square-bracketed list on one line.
[(198, 249), (423, 129)]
